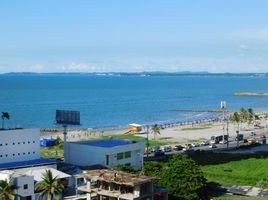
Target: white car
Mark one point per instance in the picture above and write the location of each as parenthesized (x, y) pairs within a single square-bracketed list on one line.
[(223, 142), (212, 146)]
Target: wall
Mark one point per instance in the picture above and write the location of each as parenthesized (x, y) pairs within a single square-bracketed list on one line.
[(86, 155), (19, 145)]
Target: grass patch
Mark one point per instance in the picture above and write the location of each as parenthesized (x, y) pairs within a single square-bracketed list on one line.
[(233, 197), (152, 143), (52, 152), (244, 172)]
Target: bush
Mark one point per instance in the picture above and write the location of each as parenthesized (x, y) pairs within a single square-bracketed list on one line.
[(183, 178)]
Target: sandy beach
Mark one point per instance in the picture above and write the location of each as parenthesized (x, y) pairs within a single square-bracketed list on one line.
[(174, 135)]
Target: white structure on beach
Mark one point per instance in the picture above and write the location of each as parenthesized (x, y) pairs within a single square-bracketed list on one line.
[(19, 145), (107, 153)]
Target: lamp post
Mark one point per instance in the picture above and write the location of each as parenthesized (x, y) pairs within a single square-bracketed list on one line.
[(147, 140), (223, 107)]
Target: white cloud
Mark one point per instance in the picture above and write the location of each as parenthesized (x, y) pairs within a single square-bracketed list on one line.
[(251, 34), (83, 67)]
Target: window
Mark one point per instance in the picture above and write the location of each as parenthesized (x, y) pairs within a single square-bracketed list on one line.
[(13, 143), (18, 142), (25, 186), (6, 144), (23, 142), (33, 141), (33, 152), (6, 155), (120, 156), (23, 153), (13, 154), (0, 144), (29, 142), (1, 156), (28, 152), (128, 154), (18, 154)]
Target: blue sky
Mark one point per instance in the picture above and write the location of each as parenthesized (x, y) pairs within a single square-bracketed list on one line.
[(137, 35)]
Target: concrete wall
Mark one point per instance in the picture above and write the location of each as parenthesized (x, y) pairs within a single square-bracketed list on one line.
[(19, 145), (86, 155)]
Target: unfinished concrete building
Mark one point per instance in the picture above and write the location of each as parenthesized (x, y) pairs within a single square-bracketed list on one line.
[(113, 185)]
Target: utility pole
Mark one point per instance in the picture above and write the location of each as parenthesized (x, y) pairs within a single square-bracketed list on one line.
[(147, 140), (223, 107)]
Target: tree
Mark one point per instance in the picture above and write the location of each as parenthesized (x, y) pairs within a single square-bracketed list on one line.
[(183, 178), (126, 168), (155, 130), (49, 187), (236, 118), (7, 190), (4, 116)]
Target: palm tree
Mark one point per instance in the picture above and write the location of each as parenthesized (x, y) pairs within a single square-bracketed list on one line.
[(49, 187), (4, 116), (155, 130), (236, 118), (7, 190)]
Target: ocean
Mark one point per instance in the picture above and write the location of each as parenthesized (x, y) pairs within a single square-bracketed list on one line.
[(112, 102)]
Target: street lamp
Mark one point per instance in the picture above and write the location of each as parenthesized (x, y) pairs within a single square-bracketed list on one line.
[(223, 107)]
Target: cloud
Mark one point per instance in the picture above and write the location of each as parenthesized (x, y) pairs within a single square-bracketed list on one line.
[(83, 67), (251, 34)]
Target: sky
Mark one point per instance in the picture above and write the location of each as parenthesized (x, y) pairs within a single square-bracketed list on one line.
[(133, 35)]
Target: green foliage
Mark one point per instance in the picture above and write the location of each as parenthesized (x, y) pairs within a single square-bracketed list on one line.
[(183, 177), (5, 115), (153, 168), (126, 168), (180, 175), (7, 190), (49, 187), (155, 130), (58, 140), (263, 183)]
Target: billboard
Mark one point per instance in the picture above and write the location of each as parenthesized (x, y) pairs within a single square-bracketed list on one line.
[(67, 117)]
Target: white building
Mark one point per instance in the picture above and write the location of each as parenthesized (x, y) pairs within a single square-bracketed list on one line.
[(24, 183), (108, 153), (20, 148), (19, 145)]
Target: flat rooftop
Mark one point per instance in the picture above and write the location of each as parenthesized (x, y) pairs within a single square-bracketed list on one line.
[(117, 177), (106, 143), (28, 163)]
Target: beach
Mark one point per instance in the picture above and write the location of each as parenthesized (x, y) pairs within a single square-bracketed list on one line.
[(177, 134)]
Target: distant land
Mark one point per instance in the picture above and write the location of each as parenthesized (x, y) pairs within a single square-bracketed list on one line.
[(250, 94), (147, 73)]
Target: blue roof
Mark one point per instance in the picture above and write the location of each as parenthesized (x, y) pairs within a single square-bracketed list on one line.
[(106, 143), (28, 163)]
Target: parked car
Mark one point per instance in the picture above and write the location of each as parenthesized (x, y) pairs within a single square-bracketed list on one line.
[(166, 148), (204, 143), (223, 142), (154, 149), (159, 153), (212, 146), (195, 145), (178, 148), (245, 141)]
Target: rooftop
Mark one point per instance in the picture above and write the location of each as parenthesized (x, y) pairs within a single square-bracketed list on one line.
[(106, 143), (117, 177), (28, 163)]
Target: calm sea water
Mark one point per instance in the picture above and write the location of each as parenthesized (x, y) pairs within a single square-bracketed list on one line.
[(114, 102)]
